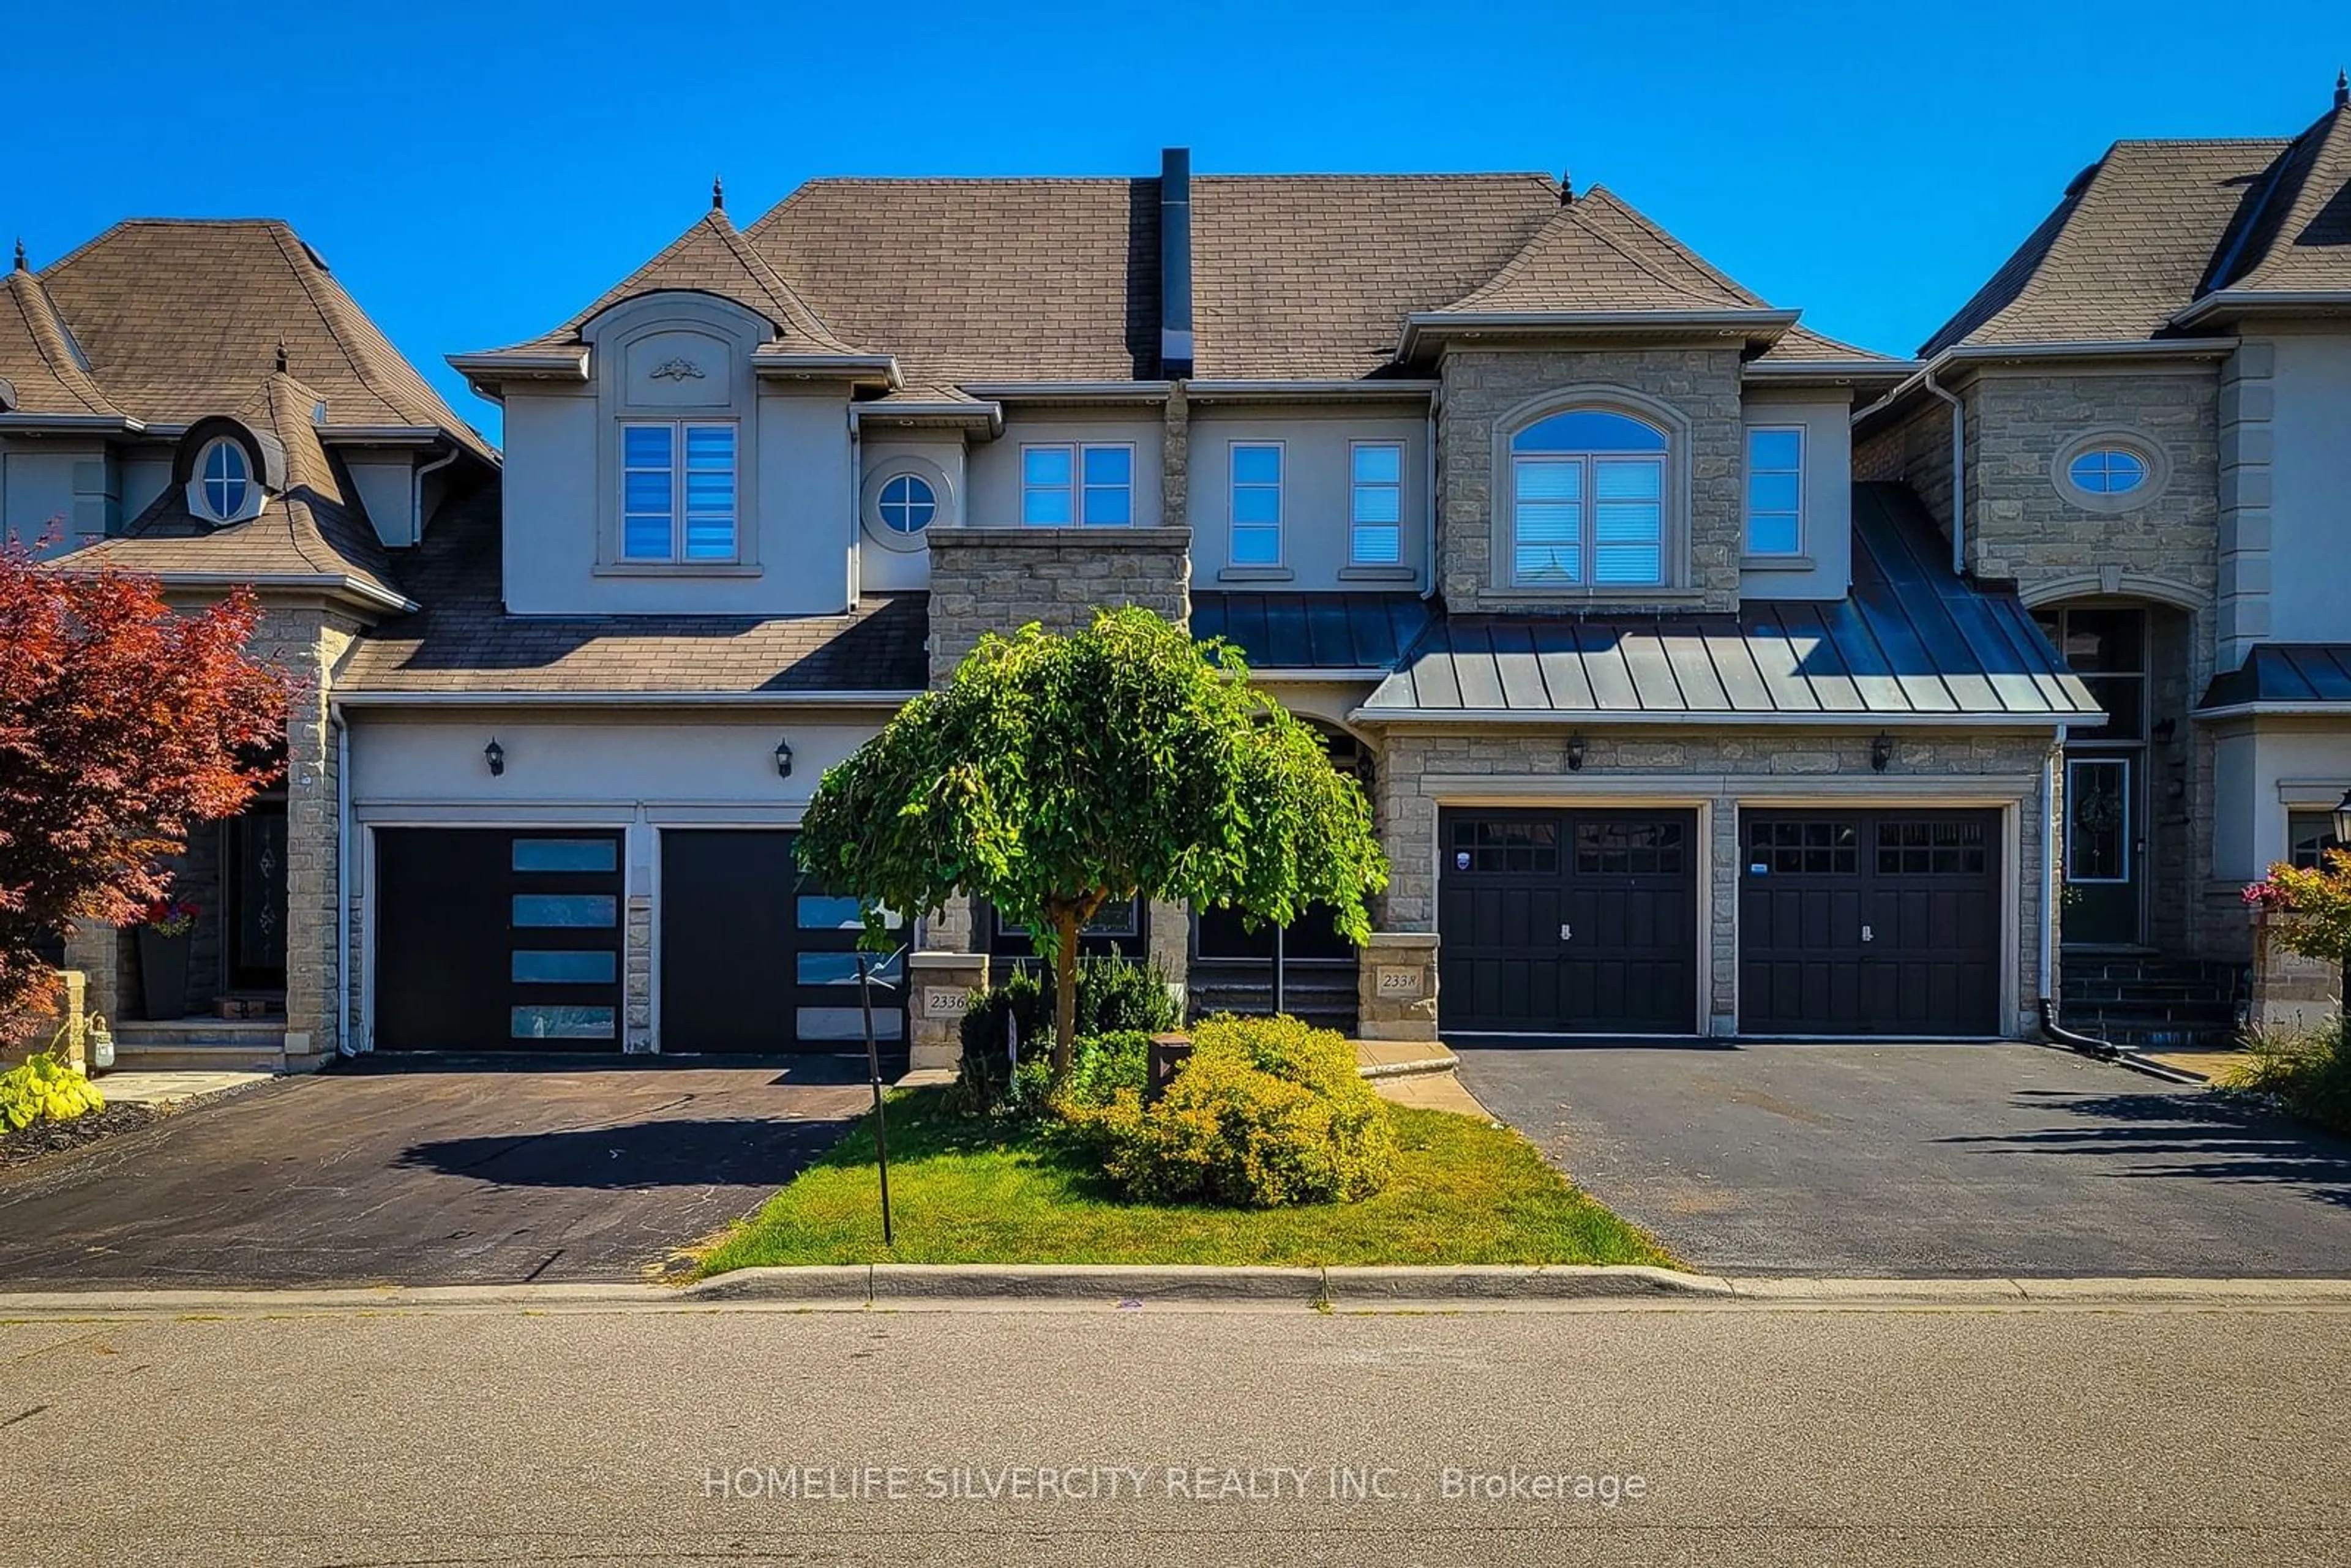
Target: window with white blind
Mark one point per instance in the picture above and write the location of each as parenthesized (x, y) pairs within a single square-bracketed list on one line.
[(1377, 510), (677, 491), (1588, 502)]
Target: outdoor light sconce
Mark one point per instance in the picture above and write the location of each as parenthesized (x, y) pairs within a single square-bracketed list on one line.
[(2165, 728), (496, 756), (783, 759), (1576, 752), (1881, 752)]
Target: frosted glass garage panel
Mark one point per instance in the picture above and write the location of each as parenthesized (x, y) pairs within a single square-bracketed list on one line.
[(847, 1024), (560, 1023)]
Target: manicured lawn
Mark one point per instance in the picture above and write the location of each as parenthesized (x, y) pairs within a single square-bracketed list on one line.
[(976, 1192)]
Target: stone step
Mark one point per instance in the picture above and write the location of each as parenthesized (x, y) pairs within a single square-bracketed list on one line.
[(201, 1044)]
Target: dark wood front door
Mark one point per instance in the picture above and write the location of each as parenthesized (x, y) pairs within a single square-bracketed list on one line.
[(755, 959), (254, 932), (489, 939), (1869, 923), (1568, 921)]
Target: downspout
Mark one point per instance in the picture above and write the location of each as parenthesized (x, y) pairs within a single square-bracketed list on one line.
[(2050, 883), (1959, 472), (416, 493), (344, 1044)]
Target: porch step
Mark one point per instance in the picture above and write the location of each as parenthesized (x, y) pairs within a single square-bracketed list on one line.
[(1326, 1001), (190, 1045), (2153, 1001)]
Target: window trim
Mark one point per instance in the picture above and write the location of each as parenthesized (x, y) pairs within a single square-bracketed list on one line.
[(678, 521), (728, 333), (1749, 549), (1355, 524), (1233, 487), (1077, 487), (1674, 497), (944, 497)]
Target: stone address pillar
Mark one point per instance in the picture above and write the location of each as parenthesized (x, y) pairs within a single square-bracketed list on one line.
[(1396, 986), (938, 986)]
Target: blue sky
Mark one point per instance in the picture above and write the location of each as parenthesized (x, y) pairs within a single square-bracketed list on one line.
[(474, 173)]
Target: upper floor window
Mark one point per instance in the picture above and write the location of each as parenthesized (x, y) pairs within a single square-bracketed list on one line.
[(1377, 510), (1587, 506), (1257, 503), (907, 504), (2107, 471), (1092, 486), (1775, 490), (224, 480), (2308, 836), (677, 491)]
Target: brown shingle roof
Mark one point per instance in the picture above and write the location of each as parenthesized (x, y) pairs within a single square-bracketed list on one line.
[(180, 318), (1598, 253), (314, 528), (2153, 226), (464, 641), (36, 355)]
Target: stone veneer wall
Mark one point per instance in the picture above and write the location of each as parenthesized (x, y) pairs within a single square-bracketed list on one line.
[(999, 580), (1526, 766), (1482, 387)]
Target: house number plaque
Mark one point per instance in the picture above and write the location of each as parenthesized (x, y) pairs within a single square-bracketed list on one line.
[(1398, 981), (944, 1002)]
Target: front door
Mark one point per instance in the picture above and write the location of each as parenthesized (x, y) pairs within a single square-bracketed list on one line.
[(254, 930), (2105, 785)]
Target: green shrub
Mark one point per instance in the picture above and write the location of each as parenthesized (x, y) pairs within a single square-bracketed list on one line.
[(1117, 998), (1117, 995), (2307, 1071), (1105, 1063), (45, 1089), (1266, 1113)]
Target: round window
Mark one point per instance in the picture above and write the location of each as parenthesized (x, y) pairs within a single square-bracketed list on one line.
[(907, 504), (2107, 471), (224, 478)]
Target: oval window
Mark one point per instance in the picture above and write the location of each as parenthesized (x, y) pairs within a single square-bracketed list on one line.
[(907, 504), (223, 474), (2107, 471)]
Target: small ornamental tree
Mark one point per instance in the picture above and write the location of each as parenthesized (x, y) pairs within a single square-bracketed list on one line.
[(1058, 774), (121, 724), (2309, 910)]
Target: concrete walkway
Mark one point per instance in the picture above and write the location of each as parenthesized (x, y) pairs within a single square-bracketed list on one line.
[(165, 1088), (1417, 1073)]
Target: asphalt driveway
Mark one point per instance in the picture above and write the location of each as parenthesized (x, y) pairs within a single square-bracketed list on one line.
[(424, 1178), (1926, 1160)]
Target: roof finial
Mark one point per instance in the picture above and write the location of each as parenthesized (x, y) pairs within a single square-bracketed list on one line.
[(21, 264), (281, 356), (2343, 89), (718, 194), (1567, 186)]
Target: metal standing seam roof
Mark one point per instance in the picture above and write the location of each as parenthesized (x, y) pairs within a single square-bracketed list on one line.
[(2302, 673), (1910, 639), (1312, 630)]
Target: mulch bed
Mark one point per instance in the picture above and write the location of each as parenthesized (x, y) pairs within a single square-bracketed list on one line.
[(43, 1138)]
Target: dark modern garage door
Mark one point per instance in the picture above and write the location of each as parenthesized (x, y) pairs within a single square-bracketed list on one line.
[(1869, 923), (497, 940), (755, 959), (1559, 922)]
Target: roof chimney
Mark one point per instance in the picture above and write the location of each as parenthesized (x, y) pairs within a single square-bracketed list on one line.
[(2343, 89), (1176, 263)]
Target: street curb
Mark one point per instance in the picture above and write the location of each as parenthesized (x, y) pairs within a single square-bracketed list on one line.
[(1474, 1284)]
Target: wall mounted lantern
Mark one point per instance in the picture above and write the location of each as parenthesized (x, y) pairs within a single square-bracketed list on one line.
[(1576, 752), (783, 759), (496, 756), (1881, 752)]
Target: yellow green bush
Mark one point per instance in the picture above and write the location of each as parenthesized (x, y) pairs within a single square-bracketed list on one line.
[(45, 1089), (1267, 1113)]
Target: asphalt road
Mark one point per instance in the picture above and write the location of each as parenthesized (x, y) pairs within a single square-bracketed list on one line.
[(2147, 1438), (423, 1177), (1925, 1159)]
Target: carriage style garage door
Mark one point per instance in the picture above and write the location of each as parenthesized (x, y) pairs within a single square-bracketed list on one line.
[(489, 939), (1869, 923), (1568, 921), (752, 958)]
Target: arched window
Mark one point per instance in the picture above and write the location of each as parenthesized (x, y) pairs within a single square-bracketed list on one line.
[(1588, 501), (224, 480)]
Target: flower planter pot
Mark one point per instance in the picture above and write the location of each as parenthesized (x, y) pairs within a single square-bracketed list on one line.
[(163, 973)]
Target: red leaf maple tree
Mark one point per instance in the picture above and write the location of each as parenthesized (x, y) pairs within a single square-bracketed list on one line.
[(123, 723)]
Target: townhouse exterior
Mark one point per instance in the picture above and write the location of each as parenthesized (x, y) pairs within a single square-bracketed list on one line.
[(1692, 697)]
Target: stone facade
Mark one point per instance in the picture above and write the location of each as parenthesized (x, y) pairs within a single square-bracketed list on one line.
[(2247, 401), (1396, 986), (1422, 768), (1694, 389), (999, 580)]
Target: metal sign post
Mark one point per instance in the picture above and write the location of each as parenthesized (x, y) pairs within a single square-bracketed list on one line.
[(873, 1072)]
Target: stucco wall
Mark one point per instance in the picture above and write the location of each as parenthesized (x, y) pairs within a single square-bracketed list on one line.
[(2309, 486), (1317, 494), (1419, 771), (994, 466), (1486, 389), (887, 560)]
